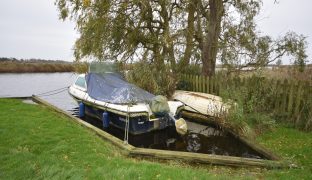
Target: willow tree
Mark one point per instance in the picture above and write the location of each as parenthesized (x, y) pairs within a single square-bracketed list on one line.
[(132, 30), (241, 44), (168, 35)]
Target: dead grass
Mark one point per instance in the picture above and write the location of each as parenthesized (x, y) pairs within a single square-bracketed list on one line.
[(30, 67), (283, 72)]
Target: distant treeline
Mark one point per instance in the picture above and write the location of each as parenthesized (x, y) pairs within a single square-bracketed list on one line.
[(13, 65), (32, 60)]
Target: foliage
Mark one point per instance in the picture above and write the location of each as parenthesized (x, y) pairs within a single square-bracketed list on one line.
[(252, 108), (81, 67), (262, 102), (171, 35), (258, 51), (156, 82)]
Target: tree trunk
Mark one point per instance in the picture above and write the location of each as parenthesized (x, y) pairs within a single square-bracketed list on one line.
[(189, 37), (210, 45)]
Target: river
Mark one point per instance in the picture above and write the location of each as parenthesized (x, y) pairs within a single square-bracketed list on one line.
[(28, 84)]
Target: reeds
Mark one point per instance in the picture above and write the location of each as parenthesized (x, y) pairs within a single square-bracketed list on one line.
[(34, 67)]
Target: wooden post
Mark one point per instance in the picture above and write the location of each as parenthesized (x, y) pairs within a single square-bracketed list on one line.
[(290, 99), (272, 99), (196, 83), (207, 84), (284, 96), (297, 102), (193, 82), (200, 83), (211, 85), (204, 83), (277, 97)]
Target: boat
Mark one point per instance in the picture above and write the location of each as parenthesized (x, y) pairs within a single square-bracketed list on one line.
[(202, 103), (109, 98)]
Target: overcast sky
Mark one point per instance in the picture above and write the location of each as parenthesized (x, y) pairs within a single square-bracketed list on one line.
[(31, 28)]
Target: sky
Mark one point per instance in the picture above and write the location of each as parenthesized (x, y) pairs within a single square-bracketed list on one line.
[(32, 29)]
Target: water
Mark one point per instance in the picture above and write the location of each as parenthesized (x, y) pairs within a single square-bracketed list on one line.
[(27, 84), (200, 138)]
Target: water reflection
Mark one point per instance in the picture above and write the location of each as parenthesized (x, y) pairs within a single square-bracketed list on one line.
[(208, 140)]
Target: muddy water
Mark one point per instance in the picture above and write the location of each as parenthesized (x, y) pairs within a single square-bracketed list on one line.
[(200, 138)]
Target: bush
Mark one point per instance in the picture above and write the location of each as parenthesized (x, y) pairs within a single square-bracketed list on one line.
[(149, 78), (252, 108)]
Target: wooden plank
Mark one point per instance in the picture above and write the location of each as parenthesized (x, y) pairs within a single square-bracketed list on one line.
[(211, 85), (212, 121), (298, 102), (277, 96), (290, 98), (188, 80), (196, 82), (218, 86), (204, 83), (207, 84), (18, 97), (284, 96), (271, 100), (200, 84), (206, 158), (193, 82)]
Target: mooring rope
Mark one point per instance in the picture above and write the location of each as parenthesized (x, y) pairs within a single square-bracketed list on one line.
[(53, 92), (126, 137)]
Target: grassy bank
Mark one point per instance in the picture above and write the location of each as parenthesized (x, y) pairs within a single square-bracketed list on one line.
[(38, 143), (33, 67)]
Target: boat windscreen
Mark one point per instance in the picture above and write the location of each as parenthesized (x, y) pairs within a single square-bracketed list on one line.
[(103, 67), (112, 88)]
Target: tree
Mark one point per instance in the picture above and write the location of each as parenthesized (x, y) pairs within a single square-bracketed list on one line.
[(170, 35)]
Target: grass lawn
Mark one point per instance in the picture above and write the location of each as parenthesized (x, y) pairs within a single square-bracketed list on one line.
[(36, 143)]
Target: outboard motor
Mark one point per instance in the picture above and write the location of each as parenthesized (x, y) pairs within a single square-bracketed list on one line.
[(159, 106)]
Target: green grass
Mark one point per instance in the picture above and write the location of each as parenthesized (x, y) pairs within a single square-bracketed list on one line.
[(295, 147), (36, 143)]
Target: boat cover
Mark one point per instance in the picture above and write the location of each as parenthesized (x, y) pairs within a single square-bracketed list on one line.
[(112, 88)]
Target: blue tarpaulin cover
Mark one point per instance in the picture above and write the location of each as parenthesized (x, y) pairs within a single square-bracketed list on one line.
[(112, 88)]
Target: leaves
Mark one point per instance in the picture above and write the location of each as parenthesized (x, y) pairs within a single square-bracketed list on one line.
[(177, 33)]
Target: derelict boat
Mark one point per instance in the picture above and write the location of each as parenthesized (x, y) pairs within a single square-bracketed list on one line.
[(203, 103), (108, 97)]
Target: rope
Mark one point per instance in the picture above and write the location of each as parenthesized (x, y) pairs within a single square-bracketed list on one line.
[(126, 137), (53, 92)]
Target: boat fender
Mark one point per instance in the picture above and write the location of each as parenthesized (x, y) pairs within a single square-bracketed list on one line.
[(81, 110), (105, 119), (181, 126)]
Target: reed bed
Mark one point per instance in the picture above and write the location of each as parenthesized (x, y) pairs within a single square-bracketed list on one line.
[(37, 67)]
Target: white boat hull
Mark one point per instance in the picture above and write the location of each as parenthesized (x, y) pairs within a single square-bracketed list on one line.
[(202, 103), (140, 114)]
